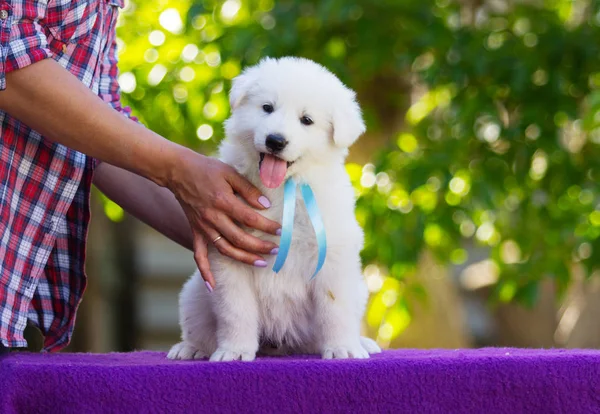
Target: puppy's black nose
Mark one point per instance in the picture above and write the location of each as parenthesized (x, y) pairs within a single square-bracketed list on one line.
[(275, 143)]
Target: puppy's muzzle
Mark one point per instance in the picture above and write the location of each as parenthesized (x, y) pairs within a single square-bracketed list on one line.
[(275, 143)]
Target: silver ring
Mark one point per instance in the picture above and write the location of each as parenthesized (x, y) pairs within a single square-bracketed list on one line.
[(217, 239)]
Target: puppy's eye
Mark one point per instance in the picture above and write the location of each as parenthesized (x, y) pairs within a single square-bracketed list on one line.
[(268, 108), (306, 120)]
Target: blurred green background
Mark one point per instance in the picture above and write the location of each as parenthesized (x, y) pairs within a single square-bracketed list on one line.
[(477, 178)]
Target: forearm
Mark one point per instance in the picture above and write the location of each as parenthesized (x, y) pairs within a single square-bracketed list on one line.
[(55, 103), (49, 99), (154, 205)]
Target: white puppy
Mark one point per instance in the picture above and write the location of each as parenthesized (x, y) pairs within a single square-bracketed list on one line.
[(290, 118)]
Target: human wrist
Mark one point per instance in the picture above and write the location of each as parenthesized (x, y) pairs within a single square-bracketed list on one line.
[(171, 171)]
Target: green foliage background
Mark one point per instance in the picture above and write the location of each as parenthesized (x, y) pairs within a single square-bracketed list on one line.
[(499, 137)]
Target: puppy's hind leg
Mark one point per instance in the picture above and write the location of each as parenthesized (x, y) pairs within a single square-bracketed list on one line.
[(370, 345), (197, 321)]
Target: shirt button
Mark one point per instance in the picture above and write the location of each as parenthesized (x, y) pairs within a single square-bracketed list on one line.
[(3, 14)]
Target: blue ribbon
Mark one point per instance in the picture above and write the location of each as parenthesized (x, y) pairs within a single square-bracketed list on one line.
[(317, 222), (289, 207), (287, 225)]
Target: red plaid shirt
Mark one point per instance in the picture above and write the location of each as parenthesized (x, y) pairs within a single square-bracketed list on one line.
[(44, 186)]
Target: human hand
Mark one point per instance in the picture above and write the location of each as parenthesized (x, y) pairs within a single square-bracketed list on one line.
[(44, 94), (206, 188)]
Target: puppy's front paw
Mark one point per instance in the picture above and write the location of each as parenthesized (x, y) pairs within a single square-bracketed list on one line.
[(344, 352), (370, 345), (184, 350), (225, 354)]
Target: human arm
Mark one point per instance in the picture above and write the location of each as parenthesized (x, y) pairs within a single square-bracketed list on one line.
[(148, 202), (50, 100)]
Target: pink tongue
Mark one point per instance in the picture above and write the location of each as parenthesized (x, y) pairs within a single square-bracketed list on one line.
[(272, 171)]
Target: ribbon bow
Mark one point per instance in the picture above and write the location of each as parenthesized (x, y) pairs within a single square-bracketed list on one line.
[(289, 207)]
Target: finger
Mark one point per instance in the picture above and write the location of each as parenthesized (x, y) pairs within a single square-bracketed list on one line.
[(227, 249), (242, 213), (247, 190), (201, 259), (239, 238), (253, 219)]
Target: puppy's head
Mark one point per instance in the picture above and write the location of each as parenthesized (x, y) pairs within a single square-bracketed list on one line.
[(289, 113)]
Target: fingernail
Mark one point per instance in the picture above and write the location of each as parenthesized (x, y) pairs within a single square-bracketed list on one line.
[(208, 286), (278, 232), (260, 263), (264, 201), (275, 251)]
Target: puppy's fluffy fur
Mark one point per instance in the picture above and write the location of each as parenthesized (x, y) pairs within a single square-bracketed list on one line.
[(253, 309)]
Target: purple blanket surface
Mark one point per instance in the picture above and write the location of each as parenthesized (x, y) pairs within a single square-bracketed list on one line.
[(492, 380)]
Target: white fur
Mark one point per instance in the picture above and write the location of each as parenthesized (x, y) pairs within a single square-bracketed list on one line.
[(252, 307)]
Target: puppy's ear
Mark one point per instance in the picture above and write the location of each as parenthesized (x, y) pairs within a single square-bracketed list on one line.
[(240, 87), (347, 122)]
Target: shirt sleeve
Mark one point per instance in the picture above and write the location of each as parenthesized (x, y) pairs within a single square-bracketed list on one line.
[(109, 91), (22, 39)]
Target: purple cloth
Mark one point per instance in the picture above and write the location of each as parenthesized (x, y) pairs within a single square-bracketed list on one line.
[(401, 381)]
